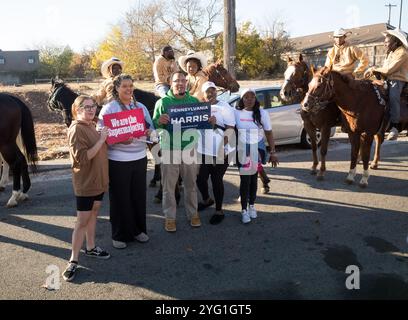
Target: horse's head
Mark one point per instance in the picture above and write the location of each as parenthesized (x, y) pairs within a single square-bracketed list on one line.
[(297, 76), (321, 90), (61, 99), (221, 77)]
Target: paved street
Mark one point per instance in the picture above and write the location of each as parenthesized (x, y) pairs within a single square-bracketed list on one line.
[(307, 234)]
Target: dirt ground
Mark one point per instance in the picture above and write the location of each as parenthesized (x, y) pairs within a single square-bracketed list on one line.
[(51, 132)]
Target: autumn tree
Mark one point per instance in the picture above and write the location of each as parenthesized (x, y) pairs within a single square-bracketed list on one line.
[(193, 21), (55, 60)]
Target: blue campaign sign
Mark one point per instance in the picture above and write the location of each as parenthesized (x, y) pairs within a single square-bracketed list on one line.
[(190, 116)]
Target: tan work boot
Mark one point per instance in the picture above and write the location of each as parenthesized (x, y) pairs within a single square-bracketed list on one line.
[(195, 221), (170, 225)]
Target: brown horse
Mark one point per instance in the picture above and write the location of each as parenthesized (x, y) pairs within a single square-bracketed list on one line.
[(320, 121), (221, 77), (16, 116), (363, 114)]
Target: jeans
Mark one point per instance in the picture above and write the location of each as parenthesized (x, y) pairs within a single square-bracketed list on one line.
[(395, 91), (162, 90)]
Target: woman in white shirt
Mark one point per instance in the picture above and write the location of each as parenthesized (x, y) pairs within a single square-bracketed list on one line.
[(252, 123), (127, 171), (211, 149)]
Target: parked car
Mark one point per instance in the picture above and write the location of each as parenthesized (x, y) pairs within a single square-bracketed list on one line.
[(286, 121)]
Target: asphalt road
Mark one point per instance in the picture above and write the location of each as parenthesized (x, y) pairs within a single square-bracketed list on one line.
[(306, 236)]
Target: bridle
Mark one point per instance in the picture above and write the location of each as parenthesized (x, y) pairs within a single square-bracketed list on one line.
[(295, 88), (316, 100)]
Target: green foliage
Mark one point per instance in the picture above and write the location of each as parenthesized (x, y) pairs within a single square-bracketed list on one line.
[(257, 56)]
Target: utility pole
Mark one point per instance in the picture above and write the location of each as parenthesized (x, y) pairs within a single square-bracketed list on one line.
[(230, 36), (390, 6), (400, 14)]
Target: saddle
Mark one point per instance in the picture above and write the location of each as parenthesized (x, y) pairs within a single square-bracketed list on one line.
[(381, 88)]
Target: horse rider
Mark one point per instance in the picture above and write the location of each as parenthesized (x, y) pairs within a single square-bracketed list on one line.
[(395, 70), (193, 63), (344, 56), (109, 69), (164, 66)]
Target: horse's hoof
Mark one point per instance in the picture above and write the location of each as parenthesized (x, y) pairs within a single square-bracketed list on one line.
[(11, 204), (313, 172), (320, 178), (349, 182), (363, 185), (374, 167), (22, 197)]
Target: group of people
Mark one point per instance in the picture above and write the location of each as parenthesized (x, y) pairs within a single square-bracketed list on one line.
[(344, 56), (121, 168)]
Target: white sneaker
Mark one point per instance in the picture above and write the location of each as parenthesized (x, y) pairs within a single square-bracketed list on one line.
[(119, 244), (245, 217), (142, 238), (393, 135), (252, 212)]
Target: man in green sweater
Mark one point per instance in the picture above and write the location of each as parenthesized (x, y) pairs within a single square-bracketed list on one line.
[(175, 152)]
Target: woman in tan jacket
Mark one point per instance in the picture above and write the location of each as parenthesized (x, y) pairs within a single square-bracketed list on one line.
[(89, 159)]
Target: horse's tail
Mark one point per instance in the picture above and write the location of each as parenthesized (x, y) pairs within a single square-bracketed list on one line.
[(28, 133)]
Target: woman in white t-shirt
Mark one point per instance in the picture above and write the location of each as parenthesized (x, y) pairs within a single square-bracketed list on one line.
[(252, 124), (211, 148)]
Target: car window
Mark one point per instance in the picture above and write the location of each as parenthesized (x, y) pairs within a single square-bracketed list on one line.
[(261, 96), (276, 100)]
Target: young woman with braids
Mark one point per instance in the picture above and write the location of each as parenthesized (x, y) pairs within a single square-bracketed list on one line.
[(252, 122), (127, 171)]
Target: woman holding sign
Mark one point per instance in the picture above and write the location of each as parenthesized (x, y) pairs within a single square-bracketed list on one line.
[(127, 165), (252, 123), (88, 154)]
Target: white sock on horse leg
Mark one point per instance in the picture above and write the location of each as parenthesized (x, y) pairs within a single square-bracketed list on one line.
[(352, 174), (13, 200)]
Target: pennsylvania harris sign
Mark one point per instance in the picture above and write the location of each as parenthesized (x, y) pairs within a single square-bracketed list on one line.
[(190, 116)]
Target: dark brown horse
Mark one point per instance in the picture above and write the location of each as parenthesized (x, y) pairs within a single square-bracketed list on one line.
[(316, 122), (16, 116), (361, 111), (221, 77)]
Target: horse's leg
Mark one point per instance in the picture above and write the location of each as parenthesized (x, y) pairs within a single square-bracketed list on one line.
[(311, 131), (13, 156), (324, 144), (367, 142), (23, 196), (379, 139), (5, 174), (355, 147)]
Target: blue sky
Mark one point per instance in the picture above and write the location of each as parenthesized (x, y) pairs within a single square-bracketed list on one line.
[(83, 23)]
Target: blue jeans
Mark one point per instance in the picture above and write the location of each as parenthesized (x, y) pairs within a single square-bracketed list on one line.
[(395, 91), (162, 90)]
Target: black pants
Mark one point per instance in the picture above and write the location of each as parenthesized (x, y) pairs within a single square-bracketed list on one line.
[(127, 192), (217, 173), (248, 189)]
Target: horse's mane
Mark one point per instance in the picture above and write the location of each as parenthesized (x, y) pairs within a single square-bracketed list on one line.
[(360, 85)]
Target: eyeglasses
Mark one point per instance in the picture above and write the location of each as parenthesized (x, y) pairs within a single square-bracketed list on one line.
[(89, 108)]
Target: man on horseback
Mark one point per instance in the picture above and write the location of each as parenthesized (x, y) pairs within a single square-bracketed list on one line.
[(163, 68), (110, 69), (344, 56), (395, 70)]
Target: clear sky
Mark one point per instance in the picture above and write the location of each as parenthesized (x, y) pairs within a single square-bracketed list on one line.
[(83, 23)]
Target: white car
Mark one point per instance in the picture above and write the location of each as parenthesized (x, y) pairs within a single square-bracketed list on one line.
[(287, 123)]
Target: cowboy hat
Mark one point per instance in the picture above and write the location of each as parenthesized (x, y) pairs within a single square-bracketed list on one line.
[(341, 33), (105, 68), (397, 33), (192, 55)]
